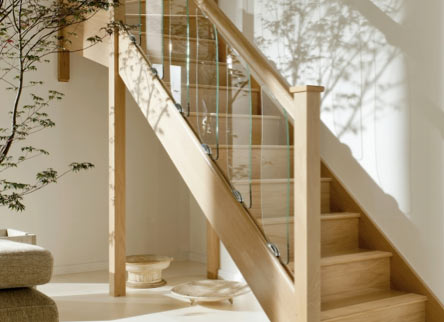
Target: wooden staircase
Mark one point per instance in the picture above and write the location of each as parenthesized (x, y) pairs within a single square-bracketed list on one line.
[(355, 281)]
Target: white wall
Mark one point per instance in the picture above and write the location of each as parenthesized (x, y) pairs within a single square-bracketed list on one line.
[(157, 199), (71, 218), (198, 228), (381, 62)]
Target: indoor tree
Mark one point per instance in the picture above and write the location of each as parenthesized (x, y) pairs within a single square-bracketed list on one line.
[(30, 32)]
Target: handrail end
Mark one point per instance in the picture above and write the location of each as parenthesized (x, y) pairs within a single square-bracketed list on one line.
[(306, 88)]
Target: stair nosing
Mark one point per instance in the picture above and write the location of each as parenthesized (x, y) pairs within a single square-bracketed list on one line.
[(283, 220), (180, 59), (269, 181), (220, 87), (340, 215), (256, 146), (182, 38), (354, 257), (165, 15)]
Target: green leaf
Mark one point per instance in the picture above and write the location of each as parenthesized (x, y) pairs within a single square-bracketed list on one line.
[(76, 166)]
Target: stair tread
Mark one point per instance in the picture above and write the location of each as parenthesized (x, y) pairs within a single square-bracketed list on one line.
[(340, 215), (348, 256), (231, 146), (214, 87), (367, 301), (134, 1), (269, 181), (324, 216), (182, 38), (356, 256), (184, 60), (268, 117), (165, 15)]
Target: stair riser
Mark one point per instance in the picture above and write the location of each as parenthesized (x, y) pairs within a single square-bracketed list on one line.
[(339, 235), (355, 276), (155, 6), (205, 52), (274, 203), (230, 101), (152, 24), (267, 163), (178, 25), (236, 130), (277, 233), (411, 312), (204, 73)]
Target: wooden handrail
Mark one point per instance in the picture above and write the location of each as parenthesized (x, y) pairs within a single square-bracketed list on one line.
[(259, 65)]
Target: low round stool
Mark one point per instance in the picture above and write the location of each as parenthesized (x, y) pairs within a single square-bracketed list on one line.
[(145, 271)]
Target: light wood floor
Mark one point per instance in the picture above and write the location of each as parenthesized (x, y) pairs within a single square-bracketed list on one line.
[(84, 297)]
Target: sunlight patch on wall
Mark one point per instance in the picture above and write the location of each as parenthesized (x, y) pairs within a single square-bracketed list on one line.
[(333, 44)]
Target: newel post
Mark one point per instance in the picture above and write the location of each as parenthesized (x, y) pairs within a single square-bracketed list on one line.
[(117, 179), (307, 202)]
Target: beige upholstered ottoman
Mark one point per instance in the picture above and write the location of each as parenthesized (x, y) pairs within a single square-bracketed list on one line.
[(23, 266)]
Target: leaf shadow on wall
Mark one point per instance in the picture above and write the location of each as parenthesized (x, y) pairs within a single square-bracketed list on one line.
[(380, 61)]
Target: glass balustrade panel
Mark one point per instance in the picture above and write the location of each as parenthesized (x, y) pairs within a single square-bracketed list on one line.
[(239, 123)]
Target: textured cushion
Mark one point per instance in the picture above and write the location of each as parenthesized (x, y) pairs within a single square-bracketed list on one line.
[(26, 305), (23, 265)]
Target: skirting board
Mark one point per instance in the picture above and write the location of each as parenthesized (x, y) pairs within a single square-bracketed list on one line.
[(197, 257), (103, 265), (98, 266)]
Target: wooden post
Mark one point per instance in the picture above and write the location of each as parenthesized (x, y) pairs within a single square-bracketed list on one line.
[(213, 253), (117, 189), (307, 208), (213, 241), (63, 66), (63, 57)]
